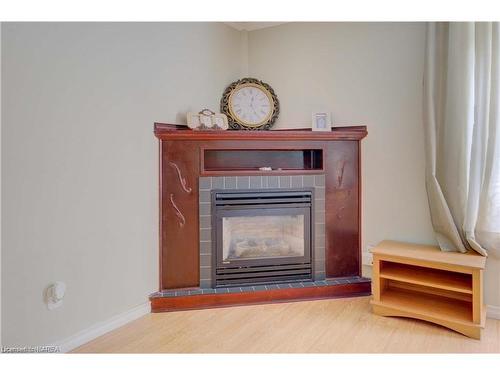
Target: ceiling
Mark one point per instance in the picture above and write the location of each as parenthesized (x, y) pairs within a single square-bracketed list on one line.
[(251, 26)]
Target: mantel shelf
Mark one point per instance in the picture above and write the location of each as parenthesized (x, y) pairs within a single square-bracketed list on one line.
[(181, 132)]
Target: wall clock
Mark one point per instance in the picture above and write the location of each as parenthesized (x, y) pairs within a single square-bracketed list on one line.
[(250, 104)]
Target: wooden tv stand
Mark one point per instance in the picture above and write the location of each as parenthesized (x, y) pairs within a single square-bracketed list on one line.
[(423, 282)]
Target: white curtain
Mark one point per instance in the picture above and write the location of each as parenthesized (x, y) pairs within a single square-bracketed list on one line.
[(462, 135)]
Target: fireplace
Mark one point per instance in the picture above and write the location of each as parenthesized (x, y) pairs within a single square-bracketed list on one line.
[(262, 236), (316, 252)]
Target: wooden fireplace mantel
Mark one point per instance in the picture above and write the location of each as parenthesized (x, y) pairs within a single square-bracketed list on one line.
[(180, 132), (186, 154)]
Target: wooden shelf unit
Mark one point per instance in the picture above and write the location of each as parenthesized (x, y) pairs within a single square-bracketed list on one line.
[(422, 282)]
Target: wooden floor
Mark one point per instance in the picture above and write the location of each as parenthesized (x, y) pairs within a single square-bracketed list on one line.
[(324, 326)]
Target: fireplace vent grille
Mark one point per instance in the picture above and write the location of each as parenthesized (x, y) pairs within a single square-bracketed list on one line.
[(265, 270), (302, 198)]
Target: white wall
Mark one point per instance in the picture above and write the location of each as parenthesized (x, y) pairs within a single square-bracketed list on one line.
[(492, 286), (366, 74), (0, 184), (80, 160)]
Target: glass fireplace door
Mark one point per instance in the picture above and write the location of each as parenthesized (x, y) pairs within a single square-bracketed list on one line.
[(270, 236)]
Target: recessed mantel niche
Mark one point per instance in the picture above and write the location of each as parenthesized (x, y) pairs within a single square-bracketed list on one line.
[(232, 233)]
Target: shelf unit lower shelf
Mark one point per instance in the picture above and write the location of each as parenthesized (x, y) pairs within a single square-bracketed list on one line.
[(430, 277), (420, 282)]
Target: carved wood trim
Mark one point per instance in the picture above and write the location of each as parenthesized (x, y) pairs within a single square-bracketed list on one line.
[(182, 180), (178, 213)]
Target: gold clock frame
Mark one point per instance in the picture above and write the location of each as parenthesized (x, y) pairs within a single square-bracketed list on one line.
[(233, 120)]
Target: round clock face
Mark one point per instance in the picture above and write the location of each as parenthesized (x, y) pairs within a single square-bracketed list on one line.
[(251, 104)]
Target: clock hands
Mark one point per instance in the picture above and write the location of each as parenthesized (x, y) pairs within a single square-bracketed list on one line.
[(250, 106)]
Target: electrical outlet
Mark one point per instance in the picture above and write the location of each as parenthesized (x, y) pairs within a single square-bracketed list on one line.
[(54, 295), (367, 257)]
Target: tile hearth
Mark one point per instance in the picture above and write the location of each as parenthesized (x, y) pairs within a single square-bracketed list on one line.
[(257, 288)]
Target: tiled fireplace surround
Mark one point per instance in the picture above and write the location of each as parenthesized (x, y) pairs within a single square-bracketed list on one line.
[(206, 184)]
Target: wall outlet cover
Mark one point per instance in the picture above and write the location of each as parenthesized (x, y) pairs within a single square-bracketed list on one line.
[(54, 295), (367, 258)]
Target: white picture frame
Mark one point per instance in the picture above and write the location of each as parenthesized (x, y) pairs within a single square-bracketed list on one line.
[(193, 120), (220, 121), (321, 121), (207, 121)]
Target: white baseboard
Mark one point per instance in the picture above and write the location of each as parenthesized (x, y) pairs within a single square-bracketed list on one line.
[(493, 312), (100, 329)]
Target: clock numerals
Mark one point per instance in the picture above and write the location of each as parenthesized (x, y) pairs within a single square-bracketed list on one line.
[(251, 105)]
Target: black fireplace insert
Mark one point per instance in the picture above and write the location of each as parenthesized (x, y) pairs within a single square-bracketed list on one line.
[(262, 236)]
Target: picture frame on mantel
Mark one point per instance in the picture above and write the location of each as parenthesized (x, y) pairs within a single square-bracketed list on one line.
[(321, 121), (207, 120)]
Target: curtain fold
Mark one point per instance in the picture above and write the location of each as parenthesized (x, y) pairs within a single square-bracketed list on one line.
[(462, 137)]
